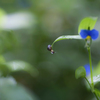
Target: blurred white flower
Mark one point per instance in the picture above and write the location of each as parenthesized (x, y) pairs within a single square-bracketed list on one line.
[(17, 20)]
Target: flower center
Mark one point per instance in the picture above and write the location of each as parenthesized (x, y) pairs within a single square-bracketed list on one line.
[(88, 37)]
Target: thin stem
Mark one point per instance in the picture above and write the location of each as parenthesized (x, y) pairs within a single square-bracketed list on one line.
[(91, 87), (92, 84), (88, 82)]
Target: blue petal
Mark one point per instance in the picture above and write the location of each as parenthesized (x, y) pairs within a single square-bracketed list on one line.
[(84, 33), (87, 68), (94, 34)]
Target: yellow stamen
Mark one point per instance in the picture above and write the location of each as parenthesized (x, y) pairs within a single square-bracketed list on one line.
[(88, 37)]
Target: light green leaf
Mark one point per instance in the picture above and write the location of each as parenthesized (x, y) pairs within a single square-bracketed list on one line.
[(2, 16), (87, 22), (14, 66), (80, 72), (64, 37)]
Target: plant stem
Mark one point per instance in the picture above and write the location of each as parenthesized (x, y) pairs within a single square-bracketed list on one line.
[(91, 87), (92, 84), (88, 82)]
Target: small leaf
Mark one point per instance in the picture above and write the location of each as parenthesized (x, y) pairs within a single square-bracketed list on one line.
[(87, 22), (14, 66), (80, 72), (67, 37), (97, 92)]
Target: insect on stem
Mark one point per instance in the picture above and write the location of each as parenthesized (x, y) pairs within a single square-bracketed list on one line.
[(49, 48)]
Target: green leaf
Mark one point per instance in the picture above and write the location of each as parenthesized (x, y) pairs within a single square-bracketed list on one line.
[(97, 92), (14, 66), (87, 22), (67, 37), (80, 72), (11, 90), (2, 16)]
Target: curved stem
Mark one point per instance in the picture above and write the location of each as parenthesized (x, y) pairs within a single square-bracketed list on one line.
[(88, 82), (92, 84)]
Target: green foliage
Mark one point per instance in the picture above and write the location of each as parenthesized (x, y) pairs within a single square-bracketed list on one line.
[(11, 90), (4, 70), (66, 37), (96, 70), (8, 41), (80, 72), (56, 72), (2, 14), (14, 66), (87, 22), (2, 60), (97, 92)]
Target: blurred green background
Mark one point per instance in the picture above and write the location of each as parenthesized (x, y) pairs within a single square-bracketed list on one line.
[(27, 70)]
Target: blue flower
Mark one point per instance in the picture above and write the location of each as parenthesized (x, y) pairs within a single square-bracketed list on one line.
[(87, 68), (89, 34)]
